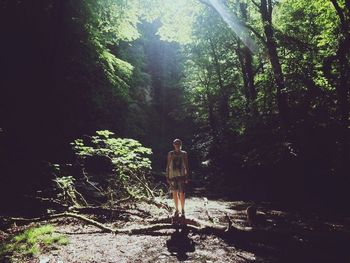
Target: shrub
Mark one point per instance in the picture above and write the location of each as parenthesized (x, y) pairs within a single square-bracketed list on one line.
[(117, 166)]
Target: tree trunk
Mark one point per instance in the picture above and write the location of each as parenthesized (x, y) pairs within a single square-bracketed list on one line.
[(343, 104), (342, 84), (224, 94), (271, 45), (211, 113), (245, 59)]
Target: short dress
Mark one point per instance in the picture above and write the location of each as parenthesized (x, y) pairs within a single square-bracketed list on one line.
[(176, 171)]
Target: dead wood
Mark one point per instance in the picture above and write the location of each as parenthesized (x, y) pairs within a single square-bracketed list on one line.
[(108, 211), (231, 233), (191, 224)]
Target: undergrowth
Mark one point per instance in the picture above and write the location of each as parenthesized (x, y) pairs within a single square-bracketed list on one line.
[(31, 242)]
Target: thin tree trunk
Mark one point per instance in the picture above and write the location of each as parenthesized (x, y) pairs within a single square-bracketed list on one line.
[(224, 98), (271, 45), (211, 114), (342, 83), (343, 102), (245, 58)]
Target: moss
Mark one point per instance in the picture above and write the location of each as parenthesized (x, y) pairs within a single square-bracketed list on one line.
[(31, 242)]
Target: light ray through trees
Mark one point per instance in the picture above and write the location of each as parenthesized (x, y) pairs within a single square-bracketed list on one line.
[(233, 22)]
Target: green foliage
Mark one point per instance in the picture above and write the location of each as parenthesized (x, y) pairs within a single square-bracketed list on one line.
[(67, 192), (66, 183), (113, 69), (307, 35), (65, 186), (177, 19), (106, 24), (31, 242), (312, 32), (130, 164), (127, 155)]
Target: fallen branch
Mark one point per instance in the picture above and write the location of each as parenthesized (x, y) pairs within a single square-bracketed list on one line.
[(192, 224), (123, 200), (187, 221), (107, 211), (61, 215), (231, 233), (144, 184)]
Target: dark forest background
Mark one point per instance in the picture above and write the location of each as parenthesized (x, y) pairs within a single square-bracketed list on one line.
[(267, 123)]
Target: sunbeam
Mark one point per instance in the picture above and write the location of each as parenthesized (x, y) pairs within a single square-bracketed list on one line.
[(233, 22)]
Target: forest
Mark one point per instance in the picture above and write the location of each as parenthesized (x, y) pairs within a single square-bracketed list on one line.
[(94, 92)]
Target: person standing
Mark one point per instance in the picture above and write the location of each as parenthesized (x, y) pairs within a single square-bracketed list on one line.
[(177, 172)]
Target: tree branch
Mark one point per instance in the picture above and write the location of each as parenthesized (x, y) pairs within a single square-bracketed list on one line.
[(269, 2), (256, 33), (339, 12), (256, 4), (258, 68)]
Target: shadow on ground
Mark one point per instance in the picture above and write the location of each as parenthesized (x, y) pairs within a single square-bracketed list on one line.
[(180, 244)]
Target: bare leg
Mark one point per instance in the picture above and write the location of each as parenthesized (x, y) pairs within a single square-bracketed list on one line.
[(176, 200), (182, 200)]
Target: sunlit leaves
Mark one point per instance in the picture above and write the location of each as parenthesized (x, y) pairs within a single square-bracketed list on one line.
[(177, 19), (309, 31), (127, 155), (115, 20), (304, 19), (129, 159)]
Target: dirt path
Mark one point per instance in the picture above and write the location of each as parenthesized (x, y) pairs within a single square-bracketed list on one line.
[(302, 237), (87, 244)]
